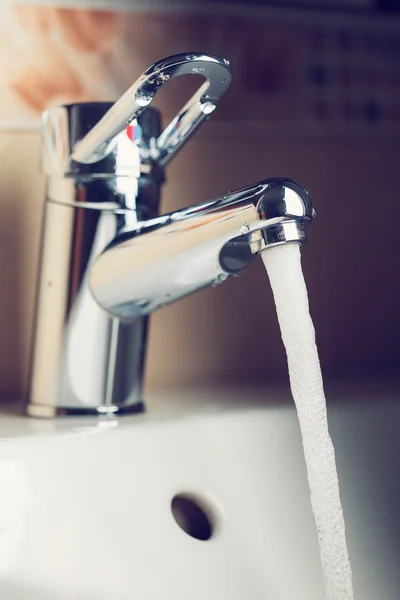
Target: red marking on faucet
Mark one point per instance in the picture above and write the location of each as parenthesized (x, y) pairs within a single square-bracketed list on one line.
[(134, 132)]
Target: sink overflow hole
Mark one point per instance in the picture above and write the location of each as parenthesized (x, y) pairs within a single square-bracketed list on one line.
[(191, 517)]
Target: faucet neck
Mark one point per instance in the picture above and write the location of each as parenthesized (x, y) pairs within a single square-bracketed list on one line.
[(158, 261)]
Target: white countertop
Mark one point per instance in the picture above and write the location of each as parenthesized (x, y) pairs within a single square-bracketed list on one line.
[(85, 491)]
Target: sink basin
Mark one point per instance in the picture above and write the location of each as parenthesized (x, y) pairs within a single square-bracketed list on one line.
[(86, 506)]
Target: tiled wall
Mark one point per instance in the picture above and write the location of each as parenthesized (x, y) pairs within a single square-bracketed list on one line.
[(270, 123)]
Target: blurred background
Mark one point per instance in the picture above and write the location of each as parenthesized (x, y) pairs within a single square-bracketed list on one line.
[(315, 96)]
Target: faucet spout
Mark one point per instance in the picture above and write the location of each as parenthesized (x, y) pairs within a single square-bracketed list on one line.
[(166, 258)]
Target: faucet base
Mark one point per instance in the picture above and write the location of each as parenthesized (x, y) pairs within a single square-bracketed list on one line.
[(46, 411)]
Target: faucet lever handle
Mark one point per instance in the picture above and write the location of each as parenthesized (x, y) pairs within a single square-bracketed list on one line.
[(97, 143)]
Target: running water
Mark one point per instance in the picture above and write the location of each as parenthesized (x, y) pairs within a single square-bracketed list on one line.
[(290, 293)]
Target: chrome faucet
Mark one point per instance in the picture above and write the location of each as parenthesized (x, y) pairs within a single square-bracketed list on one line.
[(108, 260)]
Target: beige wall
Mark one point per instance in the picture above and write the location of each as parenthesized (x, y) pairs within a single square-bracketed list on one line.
[(230, 333)]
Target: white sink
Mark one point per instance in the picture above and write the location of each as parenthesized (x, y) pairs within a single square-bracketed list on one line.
[(85, 506)]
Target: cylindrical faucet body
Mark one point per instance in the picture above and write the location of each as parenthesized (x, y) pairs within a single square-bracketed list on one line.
[(83, 360)]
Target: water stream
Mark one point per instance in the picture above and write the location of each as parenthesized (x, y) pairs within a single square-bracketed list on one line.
[(283, 266)]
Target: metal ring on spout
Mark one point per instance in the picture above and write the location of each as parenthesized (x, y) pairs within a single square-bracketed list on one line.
[(98, 142)]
